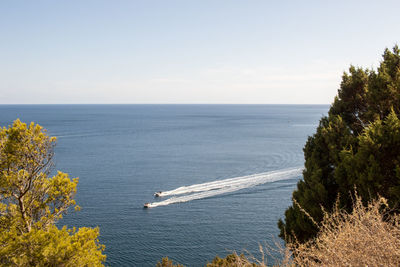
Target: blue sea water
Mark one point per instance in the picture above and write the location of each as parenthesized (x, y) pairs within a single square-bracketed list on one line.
[(122, 154)]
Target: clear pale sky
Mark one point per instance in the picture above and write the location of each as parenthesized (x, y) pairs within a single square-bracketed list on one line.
[(187, 51)]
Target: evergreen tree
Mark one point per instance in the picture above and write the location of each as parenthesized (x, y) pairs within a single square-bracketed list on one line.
[(31, 202), (357, 144)]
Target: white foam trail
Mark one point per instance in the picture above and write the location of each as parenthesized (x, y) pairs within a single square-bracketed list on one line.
[(223, 183), (225, 186)]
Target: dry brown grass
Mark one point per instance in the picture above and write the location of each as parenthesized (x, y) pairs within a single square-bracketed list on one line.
[(248, 260), (367, 236), (364, 237)]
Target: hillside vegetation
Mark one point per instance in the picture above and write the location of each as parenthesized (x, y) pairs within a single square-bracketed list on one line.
[(32, 202), (357, 144)]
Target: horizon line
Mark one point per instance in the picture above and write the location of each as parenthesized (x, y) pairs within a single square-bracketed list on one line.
[(20, 104)]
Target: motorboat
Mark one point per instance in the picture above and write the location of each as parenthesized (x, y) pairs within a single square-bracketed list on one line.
[(146, 205), (157, 194)]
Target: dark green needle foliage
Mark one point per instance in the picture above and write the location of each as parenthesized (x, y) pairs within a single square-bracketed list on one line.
[(357, 144)]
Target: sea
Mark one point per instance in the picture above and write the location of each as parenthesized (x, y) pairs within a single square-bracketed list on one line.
[(226, 173)]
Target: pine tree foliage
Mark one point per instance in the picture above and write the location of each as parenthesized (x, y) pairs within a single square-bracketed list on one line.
[(358, 143), (31, 202)]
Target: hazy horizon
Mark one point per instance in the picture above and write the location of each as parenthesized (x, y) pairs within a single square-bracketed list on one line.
[(186, 52), (233, 104)]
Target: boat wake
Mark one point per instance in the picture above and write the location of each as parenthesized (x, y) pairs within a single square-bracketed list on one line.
[(210, 189)]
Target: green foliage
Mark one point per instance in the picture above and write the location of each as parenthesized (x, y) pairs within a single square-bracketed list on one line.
[(165, 262), (357, 144), (31, 203), (52, 247), (375, 167)]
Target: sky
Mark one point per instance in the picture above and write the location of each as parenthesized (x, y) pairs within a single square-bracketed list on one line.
[(187, 52)]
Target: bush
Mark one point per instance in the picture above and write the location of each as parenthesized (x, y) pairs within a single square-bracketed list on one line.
[(365, 237)]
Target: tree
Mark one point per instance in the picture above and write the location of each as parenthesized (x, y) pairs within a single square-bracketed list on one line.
[(165, 262), (358, 143), (31, 203)]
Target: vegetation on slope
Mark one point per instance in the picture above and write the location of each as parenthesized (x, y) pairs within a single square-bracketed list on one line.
[(358, 143), (31, 203), (367, 236)]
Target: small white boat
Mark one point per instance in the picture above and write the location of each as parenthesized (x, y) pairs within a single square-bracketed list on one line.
[(157, 194), (146, 205)]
